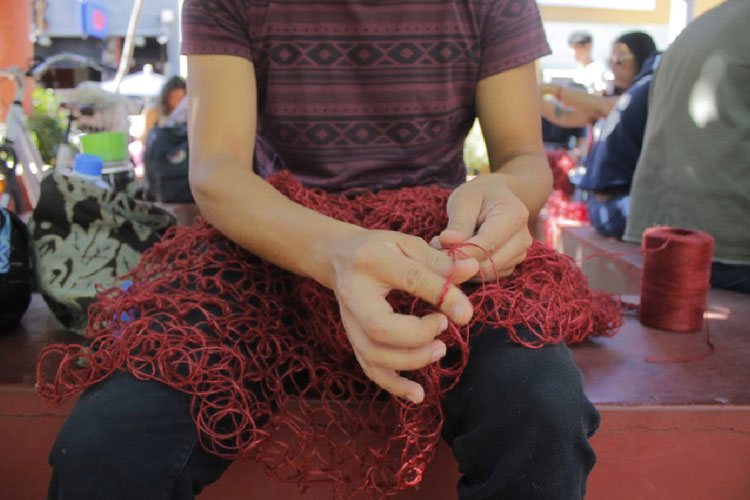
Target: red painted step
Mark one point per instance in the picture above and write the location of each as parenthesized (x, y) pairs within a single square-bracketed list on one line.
[(669, 431)]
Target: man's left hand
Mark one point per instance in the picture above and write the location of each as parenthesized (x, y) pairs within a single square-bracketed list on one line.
[(485, 212)]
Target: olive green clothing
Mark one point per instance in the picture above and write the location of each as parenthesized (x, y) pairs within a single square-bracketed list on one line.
[(694, 169)]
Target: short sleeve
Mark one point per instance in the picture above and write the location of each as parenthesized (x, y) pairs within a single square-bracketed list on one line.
[(216, 27), (512, 35)]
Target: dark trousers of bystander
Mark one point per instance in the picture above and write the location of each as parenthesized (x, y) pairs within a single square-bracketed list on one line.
[(735, 277)]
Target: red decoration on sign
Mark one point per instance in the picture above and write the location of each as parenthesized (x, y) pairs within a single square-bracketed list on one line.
[(100, 22)]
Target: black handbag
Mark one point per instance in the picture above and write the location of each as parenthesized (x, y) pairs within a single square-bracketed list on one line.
[(15, 269), (166, 165)]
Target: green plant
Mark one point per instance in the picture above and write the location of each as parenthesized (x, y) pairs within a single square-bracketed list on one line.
[(47, 123), (475, 151)]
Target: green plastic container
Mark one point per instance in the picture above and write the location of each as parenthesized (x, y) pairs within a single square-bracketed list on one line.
[(109, 146)]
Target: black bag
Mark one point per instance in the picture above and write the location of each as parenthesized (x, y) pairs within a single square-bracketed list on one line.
[(166, 164), (15, 269)]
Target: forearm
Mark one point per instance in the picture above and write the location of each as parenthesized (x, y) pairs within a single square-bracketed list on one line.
[(562, 117), (596, 106), (592, 105), (508, 111), (529, 177), (150, 119), (252, 213)]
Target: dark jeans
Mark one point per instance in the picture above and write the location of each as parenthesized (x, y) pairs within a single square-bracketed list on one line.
[(518, 422), (734, 277), (609, 216)]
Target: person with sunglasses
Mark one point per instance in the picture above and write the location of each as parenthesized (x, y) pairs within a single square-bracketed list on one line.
[(618, 133)]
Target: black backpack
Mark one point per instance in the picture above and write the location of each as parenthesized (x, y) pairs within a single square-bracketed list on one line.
[(15, 269), (166, 164)]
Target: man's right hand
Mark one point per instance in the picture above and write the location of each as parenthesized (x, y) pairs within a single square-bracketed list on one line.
[(365, 268)]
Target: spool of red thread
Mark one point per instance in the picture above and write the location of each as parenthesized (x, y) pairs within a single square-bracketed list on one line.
[(675, 278)]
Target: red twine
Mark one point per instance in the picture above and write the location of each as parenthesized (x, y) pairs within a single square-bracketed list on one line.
[(675, 282), (560, 162), (266, 360), (675, 279)]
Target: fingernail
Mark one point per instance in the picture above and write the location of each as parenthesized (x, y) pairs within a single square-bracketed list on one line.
[(412, 398), (443, 324), (459, 311), (438, 354)]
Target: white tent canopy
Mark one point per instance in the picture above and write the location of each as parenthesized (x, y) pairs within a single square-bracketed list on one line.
[(144, 83)]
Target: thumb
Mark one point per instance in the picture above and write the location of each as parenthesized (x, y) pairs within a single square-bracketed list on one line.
[(463, 214)]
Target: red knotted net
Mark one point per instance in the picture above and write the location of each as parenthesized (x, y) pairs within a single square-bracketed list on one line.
[(266, 360)]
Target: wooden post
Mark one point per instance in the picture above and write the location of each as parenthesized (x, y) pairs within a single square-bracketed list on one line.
[(127, 52)]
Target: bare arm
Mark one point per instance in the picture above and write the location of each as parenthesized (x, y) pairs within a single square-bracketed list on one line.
[(594, 105), (562, 116), (150, 119), (493, 210), (249, 211), (508, 111)]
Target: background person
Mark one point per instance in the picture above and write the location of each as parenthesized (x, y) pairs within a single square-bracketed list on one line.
[(591, 74), (172, 93), (618, 133), (694, 170)]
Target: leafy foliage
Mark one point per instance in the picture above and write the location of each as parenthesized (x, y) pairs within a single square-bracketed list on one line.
[(47, 123), (475, 151)]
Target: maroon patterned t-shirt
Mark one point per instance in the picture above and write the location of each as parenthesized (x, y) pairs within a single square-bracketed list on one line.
[(366, 93)]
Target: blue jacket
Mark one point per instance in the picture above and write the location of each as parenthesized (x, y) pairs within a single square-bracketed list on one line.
[(619, 137)]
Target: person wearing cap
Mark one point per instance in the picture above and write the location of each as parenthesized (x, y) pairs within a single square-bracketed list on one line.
[(590, 74)]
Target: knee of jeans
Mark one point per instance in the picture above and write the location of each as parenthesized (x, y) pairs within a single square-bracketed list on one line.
[(540, 387), (609, 217), (82, 444), (102, 424), (553, 391)]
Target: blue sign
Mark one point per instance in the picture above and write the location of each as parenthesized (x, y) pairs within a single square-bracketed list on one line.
[(93, 19)]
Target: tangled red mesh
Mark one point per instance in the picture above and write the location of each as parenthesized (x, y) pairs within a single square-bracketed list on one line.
[(265, 357), (561, 163)]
